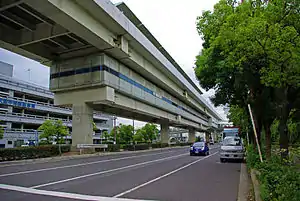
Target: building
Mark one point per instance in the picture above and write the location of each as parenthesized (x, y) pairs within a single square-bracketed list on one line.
[(25, 106)]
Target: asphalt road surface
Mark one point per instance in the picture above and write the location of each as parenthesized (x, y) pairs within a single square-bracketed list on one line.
[(168, 175)]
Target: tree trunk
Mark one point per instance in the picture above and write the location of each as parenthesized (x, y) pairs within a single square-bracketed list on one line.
[(268, 140), (283, 115)]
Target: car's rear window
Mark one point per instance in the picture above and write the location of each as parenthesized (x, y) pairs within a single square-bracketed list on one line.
[(198, 144)]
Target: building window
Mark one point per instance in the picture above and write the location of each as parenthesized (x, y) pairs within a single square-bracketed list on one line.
[(9, 142)]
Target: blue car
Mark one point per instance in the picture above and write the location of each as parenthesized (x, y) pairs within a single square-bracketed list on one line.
[(199, 148)]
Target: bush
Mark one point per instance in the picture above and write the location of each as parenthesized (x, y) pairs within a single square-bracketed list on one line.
[(21, 153), (278, 181), (113, 147)]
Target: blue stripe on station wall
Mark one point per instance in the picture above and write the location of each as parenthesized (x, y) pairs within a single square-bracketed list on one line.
[(117, 74)]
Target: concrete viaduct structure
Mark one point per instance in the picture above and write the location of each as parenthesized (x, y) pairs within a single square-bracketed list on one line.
[(102, 57)]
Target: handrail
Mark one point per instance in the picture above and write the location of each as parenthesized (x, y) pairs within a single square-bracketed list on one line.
[(32, 116), (49, 105), (38, 117), (20, 84)]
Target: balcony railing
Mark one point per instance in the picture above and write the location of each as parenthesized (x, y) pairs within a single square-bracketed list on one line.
[(43, 118), (30, 116), (97, 114)]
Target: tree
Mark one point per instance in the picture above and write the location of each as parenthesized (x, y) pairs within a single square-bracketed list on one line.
[(1, 132), (94, 127), (53, 131), (126, 134), (148, 133), (251, 55)]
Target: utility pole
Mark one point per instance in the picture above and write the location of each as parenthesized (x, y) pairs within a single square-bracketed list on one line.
[(115, 130)]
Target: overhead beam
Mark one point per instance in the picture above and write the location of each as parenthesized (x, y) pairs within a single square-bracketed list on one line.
[(6, 4), (34, 15), (42, 32), (17, 20)]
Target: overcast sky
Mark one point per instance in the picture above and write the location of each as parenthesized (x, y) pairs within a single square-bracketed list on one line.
[(173, 24)]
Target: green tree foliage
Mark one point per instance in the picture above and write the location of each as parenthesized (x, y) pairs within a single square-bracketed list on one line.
[(251, 55), (94, 127), (148, 133), (239, 117), (124, 134), (1, 132), (53, 131)]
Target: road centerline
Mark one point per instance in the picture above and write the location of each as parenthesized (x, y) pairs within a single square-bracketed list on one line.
[(162, 176), (107, 171)]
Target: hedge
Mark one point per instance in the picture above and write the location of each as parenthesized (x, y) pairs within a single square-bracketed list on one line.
[(279, 179), (21, 153)]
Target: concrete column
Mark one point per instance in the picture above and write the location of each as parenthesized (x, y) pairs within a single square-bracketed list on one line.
[(48, 115), (48, 102), (164, 132), (23, 97), (68, 118), (82, 125), (22, 127), (22, 112), (192, 135)]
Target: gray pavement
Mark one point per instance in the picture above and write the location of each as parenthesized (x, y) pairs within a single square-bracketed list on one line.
[(157, 175)]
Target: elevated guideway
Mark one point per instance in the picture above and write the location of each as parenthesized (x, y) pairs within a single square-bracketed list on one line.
[(103, 58)]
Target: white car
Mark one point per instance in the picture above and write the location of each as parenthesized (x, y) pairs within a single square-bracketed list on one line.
[(231, 148)]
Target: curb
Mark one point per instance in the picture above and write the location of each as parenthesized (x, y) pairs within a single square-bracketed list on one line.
[(62, 158), (244, 186), (255, 184)]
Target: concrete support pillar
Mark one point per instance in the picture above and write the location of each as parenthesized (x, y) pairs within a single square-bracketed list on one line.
[(164, 132), (48, 115), (68, 118), (23, 112), (23, 97), (82, 125), (22, 127), (48, 102), (192, 135)]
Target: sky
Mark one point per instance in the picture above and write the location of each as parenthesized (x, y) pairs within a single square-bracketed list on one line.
[(173, 24)]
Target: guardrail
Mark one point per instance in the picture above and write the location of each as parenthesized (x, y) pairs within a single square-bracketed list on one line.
[(87, 146)]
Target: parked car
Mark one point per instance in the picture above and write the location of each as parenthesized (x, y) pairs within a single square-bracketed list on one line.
[(231, 149), (199, 148)]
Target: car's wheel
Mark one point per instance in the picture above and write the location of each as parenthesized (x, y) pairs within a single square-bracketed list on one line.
[(207, 153), (222, 160), (191, 154)]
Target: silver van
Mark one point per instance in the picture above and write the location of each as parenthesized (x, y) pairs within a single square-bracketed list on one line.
[(231, 148)]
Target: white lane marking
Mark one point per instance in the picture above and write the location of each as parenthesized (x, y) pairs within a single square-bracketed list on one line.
[(80, 164), (162, 176), (106, 171), (59, 194)]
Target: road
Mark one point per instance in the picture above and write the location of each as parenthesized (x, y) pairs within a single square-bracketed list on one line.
[(155, 175)]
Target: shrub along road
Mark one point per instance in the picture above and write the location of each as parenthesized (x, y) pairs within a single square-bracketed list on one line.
[(157, 175)]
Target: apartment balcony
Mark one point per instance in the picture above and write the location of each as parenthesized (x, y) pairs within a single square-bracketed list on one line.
[(29, 119), (29, 134), (47, 107), (36, 119)]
